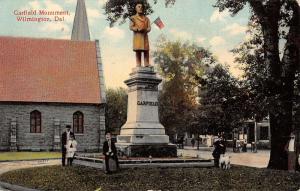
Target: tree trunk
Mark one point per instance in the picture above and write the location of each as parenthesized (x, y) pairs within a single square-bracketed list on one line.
[(270, 25), (281, 125)]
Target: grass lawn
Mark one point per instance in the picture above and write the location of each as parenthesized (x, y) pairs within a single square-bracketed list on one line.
[(84, 179), (4, 156)]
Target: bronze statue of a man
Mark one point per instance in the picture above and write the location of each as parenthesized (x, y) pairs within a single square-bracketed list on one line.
[(140, 25)]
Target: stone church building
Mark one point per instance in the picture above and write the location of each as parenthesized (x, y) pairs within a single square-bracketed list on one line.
[(46, 84)]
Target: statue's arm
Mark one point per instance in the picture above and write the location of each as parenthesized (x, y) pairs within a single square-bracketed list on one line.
[(149, 26), (132, 26)]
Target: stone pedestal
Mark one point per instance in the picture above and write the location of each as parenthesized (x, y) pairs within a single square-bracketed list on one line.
[(142, 134)]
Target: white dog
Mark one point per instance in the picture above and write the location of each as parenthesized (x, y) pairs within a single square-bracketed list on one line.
[(224, 161)]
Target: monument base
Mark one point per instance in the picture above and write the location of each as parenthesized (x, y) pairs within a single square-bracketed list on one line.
[(143, 139), (146, 150)]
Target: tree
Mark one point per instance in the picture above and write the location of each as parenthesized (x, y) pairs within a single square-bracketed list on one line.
[(274, 18), (222, 101), (116, 110), (116, 10), (250, 55), (181, 65), (278, 20), (120, 10)]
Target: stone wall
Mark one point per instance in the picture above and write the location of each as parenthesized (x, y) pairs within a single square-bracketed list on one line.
[(54, 119)]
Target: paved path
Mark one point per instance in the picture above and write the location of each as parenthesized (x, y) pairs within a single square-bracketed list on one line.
[(8, 166), (3, 189), (259, 159)]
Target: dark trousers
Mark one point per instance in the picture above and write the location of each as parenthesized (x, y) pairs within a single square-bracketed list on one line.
[(115, 158), (70, 161), (292, 159), (63, 157), (216, 161)]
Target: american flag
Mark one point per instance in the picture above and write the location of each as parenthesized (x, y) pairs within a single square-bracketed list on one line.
[(159, 23)]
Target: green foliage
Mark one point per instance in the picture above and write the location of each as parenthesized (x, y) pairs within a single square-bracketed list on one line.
[(188, 69), (272, 76), (120, 10), (234, 6), (222, 101), (250, 56), (181, 64), (116, 110)]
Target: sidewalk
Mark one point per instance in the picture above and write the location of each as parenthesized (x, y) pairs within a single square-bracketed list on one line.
[(8, 166), (259, 159)]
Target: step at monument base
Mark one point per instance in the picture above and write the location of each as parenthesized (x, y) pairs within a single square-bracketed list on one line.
[(146, 150)]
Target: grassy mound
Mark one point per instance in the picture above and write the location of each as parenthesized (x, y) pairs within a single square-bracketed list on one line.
[(82, 178)]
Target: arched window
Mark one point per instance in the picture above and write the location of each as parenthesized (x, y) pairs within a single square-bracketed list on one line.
[(78, 122), (35, 122)]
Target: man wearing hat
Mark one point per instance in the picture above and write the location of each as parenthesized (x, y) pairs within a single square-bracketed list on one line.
[(293, 147), (64, 140)]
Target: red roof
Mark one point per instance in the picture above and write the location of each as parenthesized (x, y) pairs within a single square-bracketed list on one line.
[(48, 70)]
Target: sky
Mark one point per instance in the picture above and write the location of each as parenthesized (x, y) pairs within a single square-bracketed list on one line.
[(188, 20)]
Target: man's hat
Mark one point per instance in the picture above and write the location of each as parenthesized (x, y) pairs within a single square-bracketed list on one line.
[(68, 126)]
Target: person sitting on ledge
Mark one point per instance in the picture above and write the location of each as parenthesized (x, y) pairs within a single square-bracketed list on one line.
[(109, 152)]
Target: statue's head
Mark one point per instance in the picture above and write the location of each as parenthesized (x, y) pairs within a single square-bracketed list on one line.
[(139, 7)]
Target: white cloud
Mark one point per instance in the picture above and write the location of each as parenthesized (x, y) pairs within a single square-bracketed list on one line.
[(51, 6), (226, 57), (114, 33), (71, 1), (70, 18), (61, 29), (93, 15), (216, 41), (235, 29), (200, 39), (219, 16), (34, 5), (181, 34), (55, 26), (201, 20), (102, 2)]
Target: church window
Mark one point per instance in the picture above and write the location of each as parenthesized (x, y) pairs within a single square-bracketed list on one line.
[(35, 122), (78, 122)]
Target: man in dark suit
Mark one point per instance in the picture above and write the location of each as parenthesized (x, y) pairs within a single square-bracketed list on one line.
[(293, 149), (64, 140), (219, 148), (109, 151)]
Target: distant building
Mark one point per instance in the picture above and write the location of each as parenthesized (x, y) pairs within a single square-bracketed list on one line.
[(46, 84), (263, 133)]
